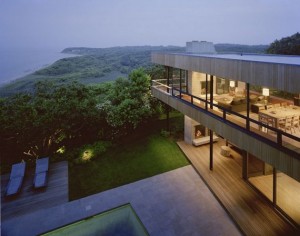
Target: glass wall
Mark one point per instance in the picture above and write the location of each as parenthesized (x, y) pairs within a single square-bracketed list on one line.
[(288, 196), (261, 176)]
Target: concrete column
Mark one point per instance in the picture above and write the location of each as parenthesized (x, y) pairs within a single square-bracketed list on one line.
[(211, 150), (189, 129)]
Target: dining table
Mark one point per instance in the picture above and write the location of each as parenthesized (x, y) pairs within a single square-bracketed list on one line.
[(276, 113)]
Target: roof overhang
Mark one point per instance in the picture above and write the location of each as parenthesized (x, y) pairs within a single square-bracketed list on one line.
[(277, 75)]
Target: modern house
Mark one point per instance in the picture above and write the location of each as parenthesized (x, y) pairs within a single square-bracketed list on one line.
[(248, 102)]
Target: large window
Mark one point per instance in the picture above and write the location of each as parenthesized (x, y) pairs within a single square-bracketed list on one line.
[(287, 189), (288, 196)]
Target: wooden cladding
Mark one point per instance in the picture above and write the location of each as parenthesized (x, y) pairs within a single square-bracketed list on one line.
[(278, 76), (280, 160)]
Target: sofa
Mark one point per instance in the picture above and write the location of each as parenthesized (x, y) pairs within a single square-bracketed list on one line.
[(238, 104)]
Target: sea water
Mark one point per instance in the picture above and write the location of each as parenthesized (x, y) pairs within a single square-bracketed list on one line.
[(16, 63)]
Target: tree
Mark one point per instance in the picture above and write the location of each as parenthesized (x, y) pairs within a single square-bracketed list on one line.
[(129, 103), (289, 45)]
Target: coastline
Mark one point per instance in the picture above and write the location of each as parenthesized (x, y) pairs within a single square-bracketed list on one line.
[(17, 64)]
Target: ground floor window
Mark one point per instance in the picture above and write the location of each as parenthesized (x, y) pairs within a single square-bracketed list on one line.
[(287, 190)]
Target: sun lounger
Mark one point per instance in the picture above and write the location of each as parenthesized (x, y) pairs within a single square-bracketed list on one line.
[(16, 179), (41, 172)]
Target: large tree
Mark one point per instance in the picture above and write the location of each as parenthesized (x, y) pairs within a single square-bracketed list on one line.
[(129, 103)]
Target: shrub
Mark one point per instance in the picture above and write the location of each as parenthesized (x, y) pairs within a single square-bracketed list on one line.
[(165, 133), (88, 152)]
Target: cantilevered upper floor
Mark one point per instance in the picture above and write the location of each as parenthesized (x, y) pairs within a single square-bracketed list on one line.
[(220, 92)]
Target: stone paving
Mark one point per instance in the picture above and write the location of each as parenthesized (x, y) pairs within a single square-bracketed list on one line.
[(174, 203)]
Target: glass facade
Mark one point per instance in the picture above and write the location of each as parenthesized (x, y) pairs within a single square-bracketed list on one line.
[(285, 195)]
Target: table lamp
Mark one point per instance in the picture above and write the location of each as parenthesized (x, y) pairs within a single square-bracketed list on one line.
[(266, 93)]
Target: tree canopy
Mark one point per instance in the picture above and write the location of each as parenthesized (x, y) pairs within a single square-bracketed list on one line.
[(39, 124), (129, 102), (288, 45), (56, 116)]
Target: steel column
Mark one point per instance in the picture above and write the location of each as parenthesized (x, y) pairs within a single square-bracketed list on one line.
[(211, 145)]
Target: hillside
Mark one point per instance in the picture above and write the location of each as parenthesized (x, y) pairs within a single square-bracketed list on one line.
[(96, 65)]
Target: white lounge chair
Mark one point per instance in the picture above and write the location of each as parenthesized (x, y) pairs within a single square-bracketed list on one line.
[(16, 179), (41, 172)]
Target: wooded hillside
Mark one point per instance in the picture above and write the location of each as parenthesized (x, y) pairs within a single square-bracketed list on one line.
[(288, 45), (97, 65)]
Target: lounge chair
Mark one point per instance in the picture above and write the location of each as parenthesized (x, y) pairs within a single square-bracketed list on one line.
[(41, 173), (16, 179)]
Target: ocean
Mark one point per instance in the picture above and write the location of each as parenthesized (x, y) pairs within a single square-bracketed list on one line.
[(15, 64)]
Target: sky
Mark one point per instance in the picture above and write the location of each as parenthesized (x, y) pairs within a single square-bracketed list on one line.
[(106, 23)]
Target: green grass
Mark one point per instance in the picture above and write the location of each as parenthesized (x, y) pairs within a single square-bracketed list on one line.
[(139, 157)]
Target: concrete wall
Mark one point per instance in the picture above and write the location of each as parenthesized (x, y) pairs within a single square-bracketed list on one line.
[(189, 129), (200, 47), (195, 79)]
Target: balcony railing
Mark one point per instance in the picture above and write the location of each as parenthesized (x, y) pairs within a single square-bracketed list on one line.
[(281, 140)]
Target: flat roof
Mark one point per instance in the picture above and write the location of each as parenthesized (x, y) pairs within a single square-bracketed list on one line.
[(281, 72), (267, 58)]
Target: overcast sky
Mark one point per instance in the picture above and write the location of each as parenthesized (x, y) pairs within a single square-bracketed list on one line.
[(104, 23)]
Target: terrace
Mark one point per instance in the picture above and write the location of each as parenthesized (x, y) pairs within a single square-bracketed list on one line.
[(252, 212), (156, 200), (31, 200)]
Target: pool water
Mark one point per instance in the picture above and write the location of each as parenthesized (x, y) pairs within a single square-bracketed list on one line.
[(121, 221)]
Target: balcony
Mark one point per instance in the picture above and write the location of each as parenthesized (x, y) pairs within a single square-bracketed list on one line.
[(264, 124)]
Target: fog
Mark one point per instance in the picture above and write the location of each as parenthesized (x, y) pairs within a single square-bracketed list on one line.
[(100, 23)]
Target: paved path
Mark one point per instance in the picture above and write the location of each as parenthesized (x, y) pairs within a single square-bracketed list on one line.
[(173, 203)]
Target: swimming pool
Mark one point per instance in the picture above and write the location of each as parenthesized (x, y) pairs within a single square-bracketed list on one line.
[(119, 221)]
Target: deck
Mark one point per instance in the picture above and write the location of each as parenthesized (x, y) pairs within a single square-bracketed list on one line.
[(251, 212), (29, 200)]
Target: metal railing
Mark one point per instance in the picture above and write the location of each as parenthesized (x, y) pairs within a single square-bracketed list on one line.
[(222, 113)]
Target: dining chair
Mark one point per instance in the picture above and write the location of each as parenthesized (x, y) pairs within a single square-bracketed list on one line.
[(296, 123), (283, 104), (266, 121), (289, 123), (269, 107), (281, 123)]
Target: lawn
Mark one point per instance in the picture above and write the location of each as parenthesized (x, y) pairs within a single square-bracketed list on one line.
[(140, 156)]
